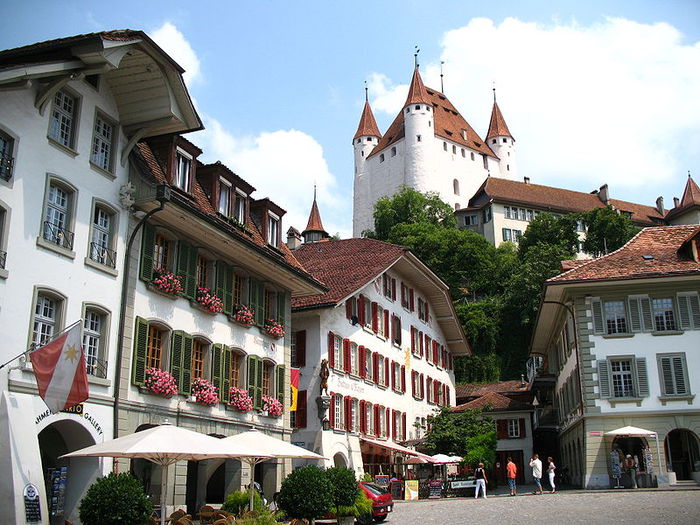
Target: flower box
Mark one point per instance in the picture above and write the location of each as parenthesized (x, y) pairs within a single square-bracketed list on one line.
[(240, 399), (243, 314), (274, 328), (271, 406), (204, 392), (160, 382), (208, 301), (166, 282)]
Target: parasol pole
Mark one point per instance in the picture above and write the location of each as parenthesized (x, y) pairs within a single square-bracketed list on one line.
[(163, 481), (658, 453)]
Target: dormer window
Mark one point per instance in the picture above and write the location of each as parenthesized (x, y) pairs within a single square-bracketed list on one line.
[(239, 207), (224, 196), (273, 229), (183, 168)]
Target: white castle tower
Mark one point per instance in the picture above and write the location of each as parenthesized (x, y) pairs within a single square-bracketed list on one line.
[(428, 147)]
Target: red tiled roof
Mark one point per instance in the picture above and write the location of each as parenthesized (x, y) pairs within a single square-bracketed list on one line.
[(314, 224), (571, 264), (493, 402), (691, 198), (417, 93), (653, 252), (368, 126), (497, 126), (344, 266), (477, 389), (448, 124), (558, 199)]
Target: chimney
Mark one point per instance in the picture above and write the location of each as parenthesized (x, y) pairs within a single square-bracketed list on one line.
[(603, 194), (676, 202), (293, 238), (660, 205), (526, 180)]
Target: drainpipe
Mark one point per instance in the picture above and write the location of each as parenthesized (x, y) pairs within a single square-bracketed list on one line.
[(162, 196)]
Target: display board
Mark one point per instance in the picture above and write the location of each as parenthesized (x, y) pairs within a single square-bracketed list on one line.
[(57, 490), (411, 492), (32, 504), (382, 480), (435, 488)]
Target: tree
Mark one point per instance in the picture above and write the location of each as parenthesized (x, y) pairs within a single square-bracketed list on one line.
[(607, 231), (344, 487), (479, 368), (553, 231), (409, 206), (453, 433)]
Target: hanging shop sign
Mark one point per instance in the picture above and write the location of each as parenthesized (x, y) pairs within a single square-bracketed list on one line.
[(32, 505), (78, 410)]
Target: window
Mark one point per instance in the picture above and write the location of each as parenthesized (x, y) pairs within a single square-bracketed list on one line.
[(368, 363), (381, 157), (472, 155), (224, 197), (3, 239), (485, 160), (338, 352), (393, 151), (464, 153), (94, 341), (455, 186), (103, 144), (57, 215), (623, 377), (239, 207), (493, 141), (418, 138), (63, 119), (506, 212), (444, 146), (154, 351), (198, 351), (381, 379), (615, 320), (663, 314), (369, 420), (454, 149), (268, 378), (234, 371), (487, 214), (354, 359), (273, 232), (102, 238), (513, 428), (516, 235), (47, 318), (530, 215), (380, 321), (673, 372), (507, 235), (183, 167), (389, 287), (523, 214), (471, 220), (396, 329), (580, 226), (203, 272), (6, 160), (338, 412), (161, 252), (622, 380)]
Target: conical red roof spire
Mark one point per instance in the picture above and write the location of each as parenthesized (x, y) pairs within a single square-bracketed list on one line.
[(691, 194), (368, 126), (314, 224), (497, 126), (417, 94)]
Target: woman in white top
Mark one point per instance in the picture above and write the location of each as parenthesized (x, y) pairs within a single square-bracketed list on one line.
[(550, 472)]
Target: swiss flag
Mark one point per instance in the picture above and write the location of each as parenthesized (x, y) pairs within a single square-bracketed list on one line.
[(59, 368)]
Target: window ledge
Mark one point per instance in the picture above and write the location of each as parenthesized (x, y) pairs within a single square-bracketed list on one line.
[(155, 290), (105, 173), (686, 397), (65, 149), (40, 241), (101, 267), (615, 400), (617, 336), (99, 381), (381, 336), (668, 332), (368, 329), (4, 273)]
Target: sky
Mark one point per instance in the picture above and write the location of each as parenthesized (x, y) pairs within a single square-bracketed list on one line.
[(594, 92)]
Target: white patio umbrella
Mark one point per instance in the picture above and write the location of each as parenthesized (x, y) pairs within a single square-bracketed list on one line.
[(266, 447), (164, 445), (444, 458), (629, 431)]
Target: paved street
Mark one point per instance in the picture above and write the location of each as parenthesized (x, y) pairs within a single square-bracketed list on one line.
[(639, 508)]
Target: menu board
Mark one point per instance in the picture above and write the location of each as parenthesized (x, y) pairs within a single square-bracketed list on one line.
[(382, 480), (411, 489), (397, 489), (32, 505), (435, 488)]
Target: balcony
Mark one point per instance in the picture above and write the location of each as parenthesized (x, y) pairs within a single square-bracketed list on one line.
[(103, 255), (58, 235), (6, 164)]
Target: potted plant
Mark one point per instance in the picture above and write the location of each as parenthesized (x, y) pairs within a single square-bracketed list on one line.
[(209, 301), (167, 282), (243, 314), (272, 406), (306, 494), (204, 392), (344, 492), (240, 399), (274, 328), (160, 382), (114, 500), (361, 510)]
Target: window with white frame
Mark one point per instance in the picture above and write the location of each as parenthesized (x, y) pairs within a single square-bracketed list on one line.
[(621, 373), (368, 312), (339, 414), (368, 363), (162, 252), (63, 118), (380, 321), (381, 431), (183, 169), (6, 159), (94, 341), (664, 318), (224, 197), (354, 359), (47, 318), (273, 225), (338, 352), (523, 214), (369, 413), (380, 371), (102, 238), (355, 414), (530, 215), (673, 372), (58, 214), (513, 428), (507, 235), (506, 212), (615, 317), (239, 207), (396, 329), (103, 143)]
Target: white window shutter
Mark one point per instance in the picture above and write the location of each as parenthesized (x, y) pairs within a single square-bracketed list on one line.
[(598, 325), (604, 378), (635, 314), (679, 374), (684, 311), (694, 301), (665, 367), (642, 379), (648, 321)]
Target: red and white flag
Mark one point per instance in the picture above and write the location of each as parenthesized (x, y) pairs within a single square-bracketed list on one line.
[(59, 368)]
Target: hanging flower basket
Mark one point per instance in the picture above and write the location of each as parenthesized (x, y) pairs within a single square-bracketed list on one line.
[(274, 328), (167, 282), (204, 392), (209, 301), (240, 399), (272, 406), (160, 382), (243, 314)]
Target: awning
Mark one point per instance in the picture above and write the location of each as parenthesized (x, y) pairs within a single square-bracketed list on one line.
[(397, 448), (631, 431)]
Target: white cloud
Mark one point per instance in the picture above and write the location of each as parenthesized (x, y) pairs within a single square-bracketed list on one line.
[(176, 45), (613, 102)]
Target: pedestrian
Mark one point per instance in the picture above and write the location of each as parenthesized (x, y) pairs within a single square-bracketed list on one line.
[(512, 472), (536, 466), (551, 467), (480, 475)]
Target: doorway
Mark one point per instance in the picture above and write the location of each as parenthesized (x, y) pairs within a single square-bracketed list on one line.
[(682, 453)]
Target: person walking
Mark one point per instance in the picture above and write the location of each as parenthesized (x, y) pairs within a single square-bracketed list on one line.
[(480, 475), (536, 465), (551, 467), (511, 473)]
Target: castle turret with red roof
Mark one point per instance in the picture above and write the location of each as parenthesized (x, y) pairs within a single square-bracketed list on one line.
[(501, 141), (314, 231)]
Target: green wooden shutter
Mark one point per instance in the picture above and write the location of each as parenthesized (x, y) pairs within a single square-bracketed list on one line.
[(679, 372), (598, 324), (635, 314), (176, 347), (224, 391), (187, 268), (604, 378), (186, 381), (279, 378), (281, 307), (642, 379), (216, 367), (140, 348), (224, 285), (148, 240), (255, 372), (260, 370), (666, 372), (257, 300), (647, 318)]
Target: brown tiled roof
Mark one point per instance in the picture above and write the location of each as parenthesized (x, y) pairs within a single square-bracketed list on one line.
[(497, 126), (448, 124), (344, 266), (653, 252), (368, 126), (557, 199), (417, 93), (493, 402), (478, 389), (571, 264), (198, 200), (314, 224)]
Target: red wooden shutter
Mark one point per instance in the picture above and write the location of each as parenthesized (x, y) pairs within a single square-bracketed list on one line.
[(386, 324), (363, 427), (421, 389), (413, 382), (386, 371), (521, 422), (393, 375), (420, 343), (393, 289), (393, 425), (331, 349), (501, 429), (363, 368), (348, 413), (410, 299), (403, 426), (375, 368), (301, 409), (331, 419), (377, 430), (403, 379), (346, 355), (348, 308), (300, 348), (375, 319), (361, 310), (413, 339), (387, 422)]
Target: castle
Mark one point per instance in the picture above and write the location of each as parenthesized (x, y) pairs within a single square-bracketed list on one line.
[(429, 147)]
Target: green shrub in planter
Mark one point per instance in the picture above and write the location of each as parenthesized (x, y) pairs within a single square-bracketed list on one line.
[(118, 499), (344, 488), (238, 501), (361, 507), (367, 477), (259, 517), (306, 493)]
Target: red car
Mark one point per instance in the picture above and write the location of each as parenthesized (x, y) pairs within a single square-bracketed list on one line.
[(382, 502)]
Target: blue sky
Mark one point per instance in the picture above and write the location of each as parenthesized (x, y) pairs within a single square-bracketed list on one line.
[(593, 92)]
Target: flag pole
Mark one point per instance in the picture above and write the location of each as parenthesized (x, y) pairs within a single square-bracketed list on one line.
[(33, 348)]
